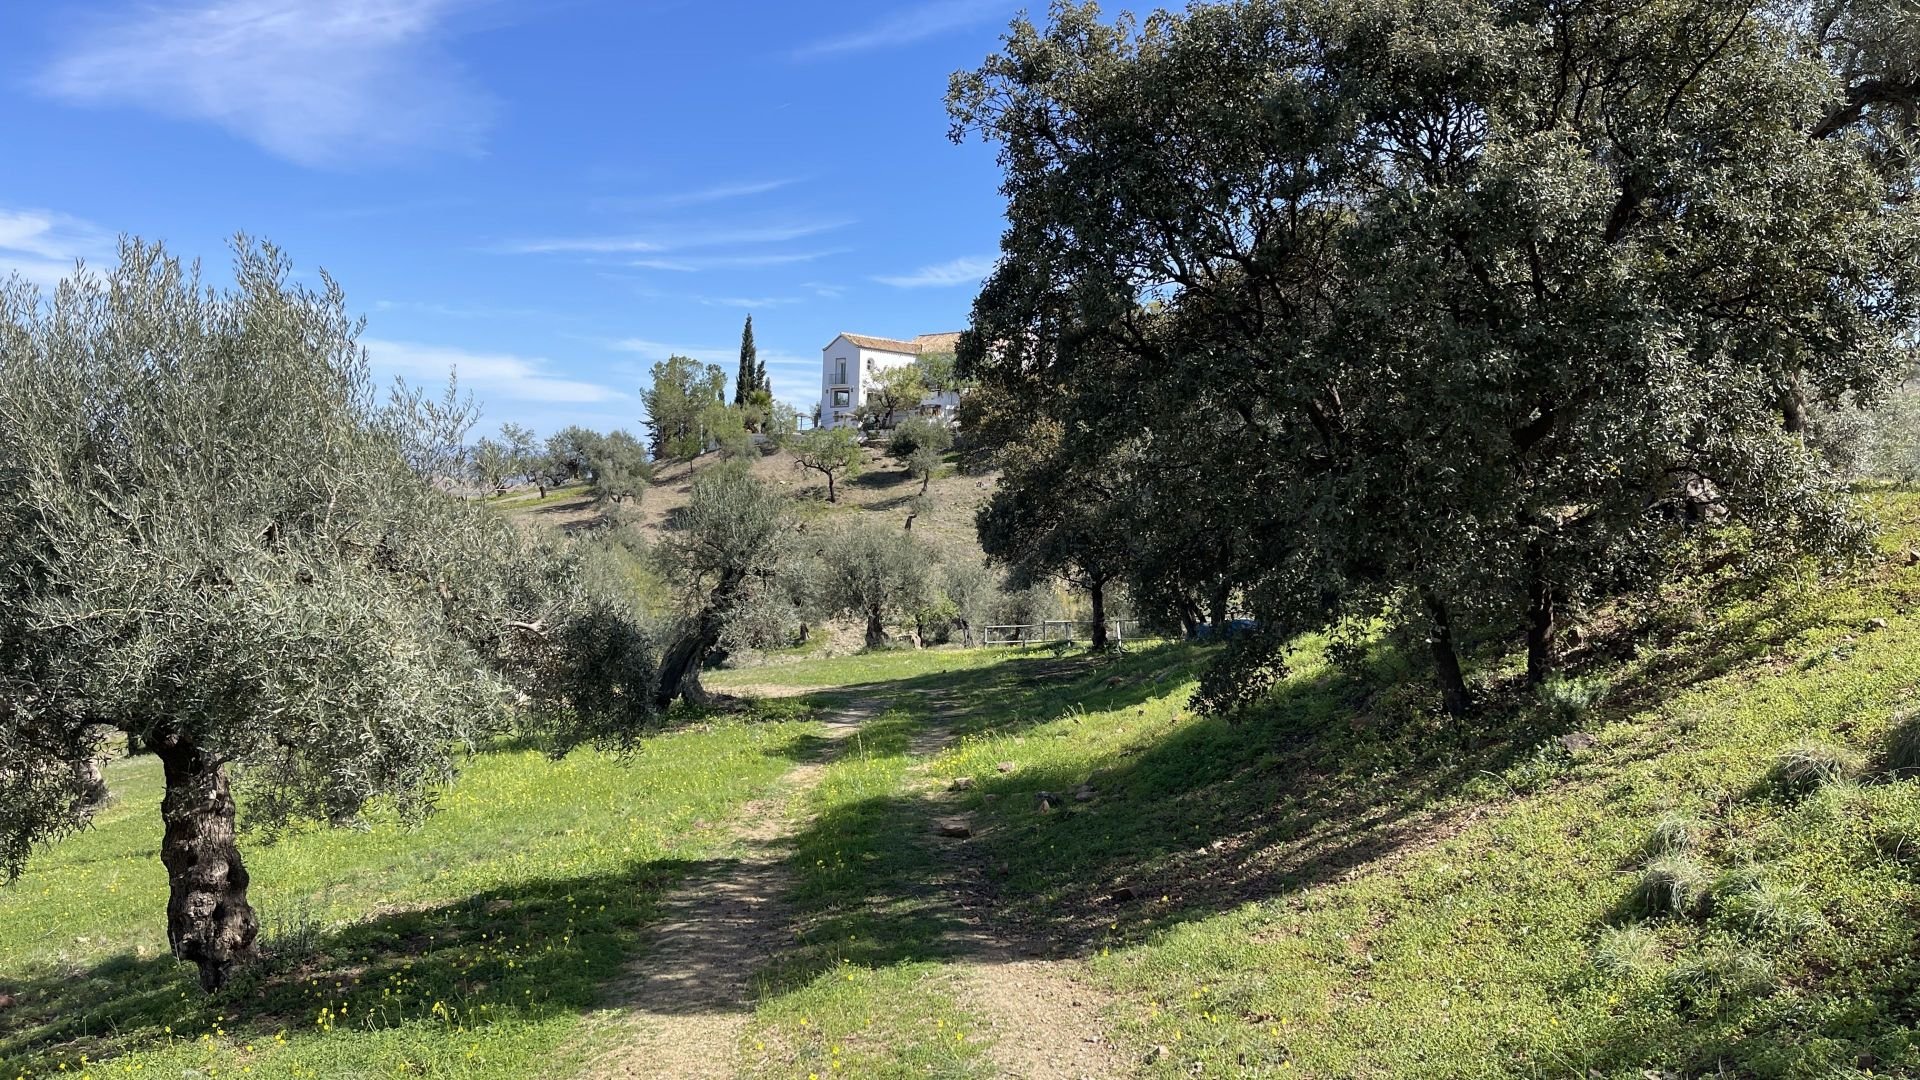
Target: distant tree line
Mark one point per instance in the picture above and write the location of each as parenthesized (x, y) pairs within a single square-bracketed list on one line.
[(1461, 319)]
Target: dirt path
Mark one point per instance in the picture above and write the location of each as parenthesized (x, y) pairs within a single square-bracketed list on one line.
[(681, 1009), (1044, 1017)]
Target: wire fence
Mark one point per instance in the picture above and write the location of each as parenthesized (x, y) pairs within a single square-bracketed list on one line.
[(1061, 632)]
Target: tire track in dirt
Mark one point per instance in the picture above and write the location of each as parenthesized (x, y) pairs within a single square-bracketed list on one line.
[(1045, 1018), (682, 1007)]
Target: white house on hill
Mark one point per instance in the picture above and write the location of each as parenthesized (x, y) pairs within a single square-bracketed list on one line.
[(849, 364)]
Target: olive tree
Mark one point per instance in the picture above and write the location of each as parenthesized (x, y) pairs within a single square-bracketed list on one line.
[(973, 587), (724, 546), (212, 540), (571, 451), (831, 452), (873, 573), (619, 468), (894, 390), (921, 443)]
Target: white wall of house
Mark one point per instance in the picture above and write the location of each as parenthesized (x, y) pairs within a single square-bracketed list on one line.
[(849, 370), (845, 366)]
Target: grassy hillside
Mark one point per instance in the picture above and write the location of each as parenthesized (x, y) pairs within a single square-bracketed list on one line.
[(1699, 861), (882, 489), (1721, 879)]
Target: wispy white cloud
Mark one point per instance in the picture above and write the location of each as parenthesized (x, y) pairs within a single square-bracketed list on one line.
[(748, 303), (319, 82), (461, 311), (674, 240), (650, 351), (693, 265), (723, 192), (904, 27), (42, 245), (963, 271), (493, 377)]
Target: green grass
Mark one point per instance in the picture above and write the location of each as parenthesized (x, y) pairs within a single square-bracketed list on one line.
[(469, 946), (877, 670), (861, 992), (1343, 883), (1339, 883), (529, 498)]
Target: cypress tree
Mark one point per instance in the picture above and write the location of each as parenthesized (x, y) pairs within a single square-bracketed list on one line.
[(751, 376)]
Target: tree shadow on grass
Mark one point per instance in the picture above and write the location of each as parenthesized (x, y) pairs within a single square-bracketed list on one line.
[(1209, 814), (543, 947), (882, 476), (1183, 821)]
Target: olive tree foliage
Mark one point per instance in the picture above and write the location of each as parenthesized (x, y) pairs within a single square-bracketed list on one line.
[(1501, 305), (830, 451), (571, 450), (515, 456), (894, 391), (727, 428), (722, 550), (618, 468), (874, 573), (921, 443), (973, 587), (432, 431), (214, 539)]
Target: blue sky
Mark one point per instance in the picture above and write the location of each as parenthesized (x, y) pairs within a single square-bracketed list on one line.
[(548, 194)]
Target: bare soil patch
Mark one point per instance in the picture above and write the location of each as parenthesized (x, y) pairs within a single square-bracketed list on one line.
[(684, 1003)]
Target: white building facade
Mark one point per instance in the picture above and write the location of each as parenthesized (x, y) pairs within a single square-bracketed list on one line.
[(851, 364)]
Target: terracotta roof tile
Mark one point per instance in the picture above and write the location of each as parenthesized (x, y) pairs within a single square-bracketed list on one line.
[(883, 344), (925, 343)]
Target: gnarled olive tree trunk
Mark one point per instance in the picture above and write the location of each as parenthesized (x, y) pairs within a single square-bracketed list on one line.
[(209, 921), (90, 774), (680, 667)]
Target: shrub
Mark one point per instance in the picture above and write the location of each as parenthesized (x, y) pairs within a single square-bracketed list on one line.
[(1898, 840), (1903, 745), (1548, 762), (1670, 885), (1765, 905), (1568, 701), (1728, 970)]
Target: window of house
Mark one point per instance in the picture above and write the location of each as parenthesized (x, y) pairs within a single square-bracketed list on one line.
[(840, 370), (840, 398)]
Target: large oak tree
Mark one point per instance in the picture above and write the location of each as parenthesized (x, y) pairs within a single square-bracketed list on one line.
[(1497, 301)]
